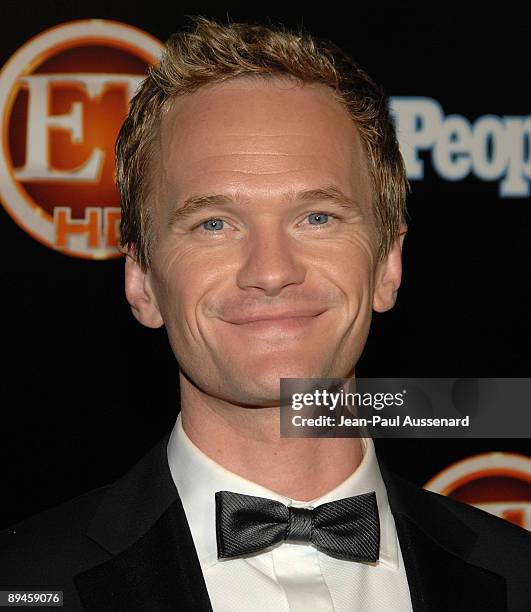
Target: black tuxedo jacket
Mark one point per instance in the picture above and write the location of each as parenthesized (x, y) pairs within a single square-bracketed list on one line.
[(128, 547)]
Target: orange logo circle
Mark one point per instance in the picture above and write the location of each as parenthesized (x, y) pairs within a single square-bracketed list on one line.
[(499, 483), (63, 97)]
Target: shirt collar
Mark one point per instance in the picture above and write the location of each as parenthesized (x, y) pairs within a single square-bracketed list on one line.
[(197, 478)]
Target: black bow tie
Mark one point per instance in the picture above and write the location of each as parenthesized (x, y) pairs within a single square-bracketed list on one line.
[(348, 528)]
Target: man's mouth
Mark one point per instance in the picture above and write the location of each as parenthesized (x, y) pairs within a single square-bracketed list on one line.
[(279, 322)]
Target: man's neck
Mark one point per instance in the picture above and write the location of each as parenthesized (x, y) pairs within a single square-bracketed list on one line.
[(247, 442)]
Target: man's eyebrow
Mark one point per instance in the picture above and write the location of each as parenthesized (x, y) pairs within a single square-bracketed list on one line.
[(196, 203)]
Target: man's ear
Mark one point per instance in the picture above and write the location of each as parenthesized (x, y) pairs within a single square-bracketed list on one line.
[(139, 292), (389, 275)]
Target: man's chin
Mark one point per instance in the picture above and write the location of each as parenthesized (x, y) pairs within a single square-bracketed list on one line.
[(261, 385)]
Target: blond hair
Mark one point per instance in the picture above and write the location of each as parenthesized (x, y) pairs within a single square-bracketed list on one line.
[(211, 52)]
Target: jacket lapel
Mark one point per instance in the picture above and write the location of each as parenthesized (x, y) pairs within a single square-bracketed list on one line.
[(153, 562), (437, 548)]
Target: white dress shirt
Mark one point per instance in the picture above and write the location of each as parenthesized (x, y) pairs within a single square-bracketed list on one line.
[(290, 577)]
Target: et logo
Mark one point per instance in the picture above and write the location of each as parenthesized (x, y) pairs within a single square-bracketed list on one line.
[(499, 483), (63, 97)]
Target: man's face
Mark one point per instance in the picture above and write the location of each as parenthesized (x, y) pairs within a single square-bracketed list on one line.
[(290, 235)]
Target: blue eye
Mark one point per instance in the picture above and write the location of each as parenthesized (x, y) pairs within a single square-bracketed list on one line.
[(213, 224), (318, 218)]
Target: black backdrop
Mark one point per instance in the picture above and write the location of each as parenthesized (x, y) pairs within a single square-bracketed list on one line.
[(85, 390)]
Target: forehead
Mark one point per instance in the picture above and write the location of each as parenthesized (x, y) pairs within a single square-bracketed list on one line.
[(276, 129)]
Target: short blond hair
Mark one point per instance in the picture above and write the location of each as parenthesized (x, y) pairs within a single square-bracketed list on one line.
[(211, 52)]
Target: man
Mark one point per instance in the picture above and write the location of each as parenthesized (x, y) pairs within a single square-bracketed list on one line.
[(263, 203)]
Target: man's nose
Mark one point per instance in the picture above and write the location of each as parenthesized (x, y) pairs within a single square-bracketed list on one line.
[(271, 263)]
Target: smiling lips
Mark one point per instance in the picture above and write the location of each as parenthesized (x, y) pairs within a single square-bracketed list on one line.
[(292, 320)]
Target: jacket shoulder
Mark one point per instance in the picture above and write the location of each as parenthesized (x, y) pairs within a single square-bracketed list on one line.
[(480, 519), (497, 540), (497, 537), (51, 543)]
